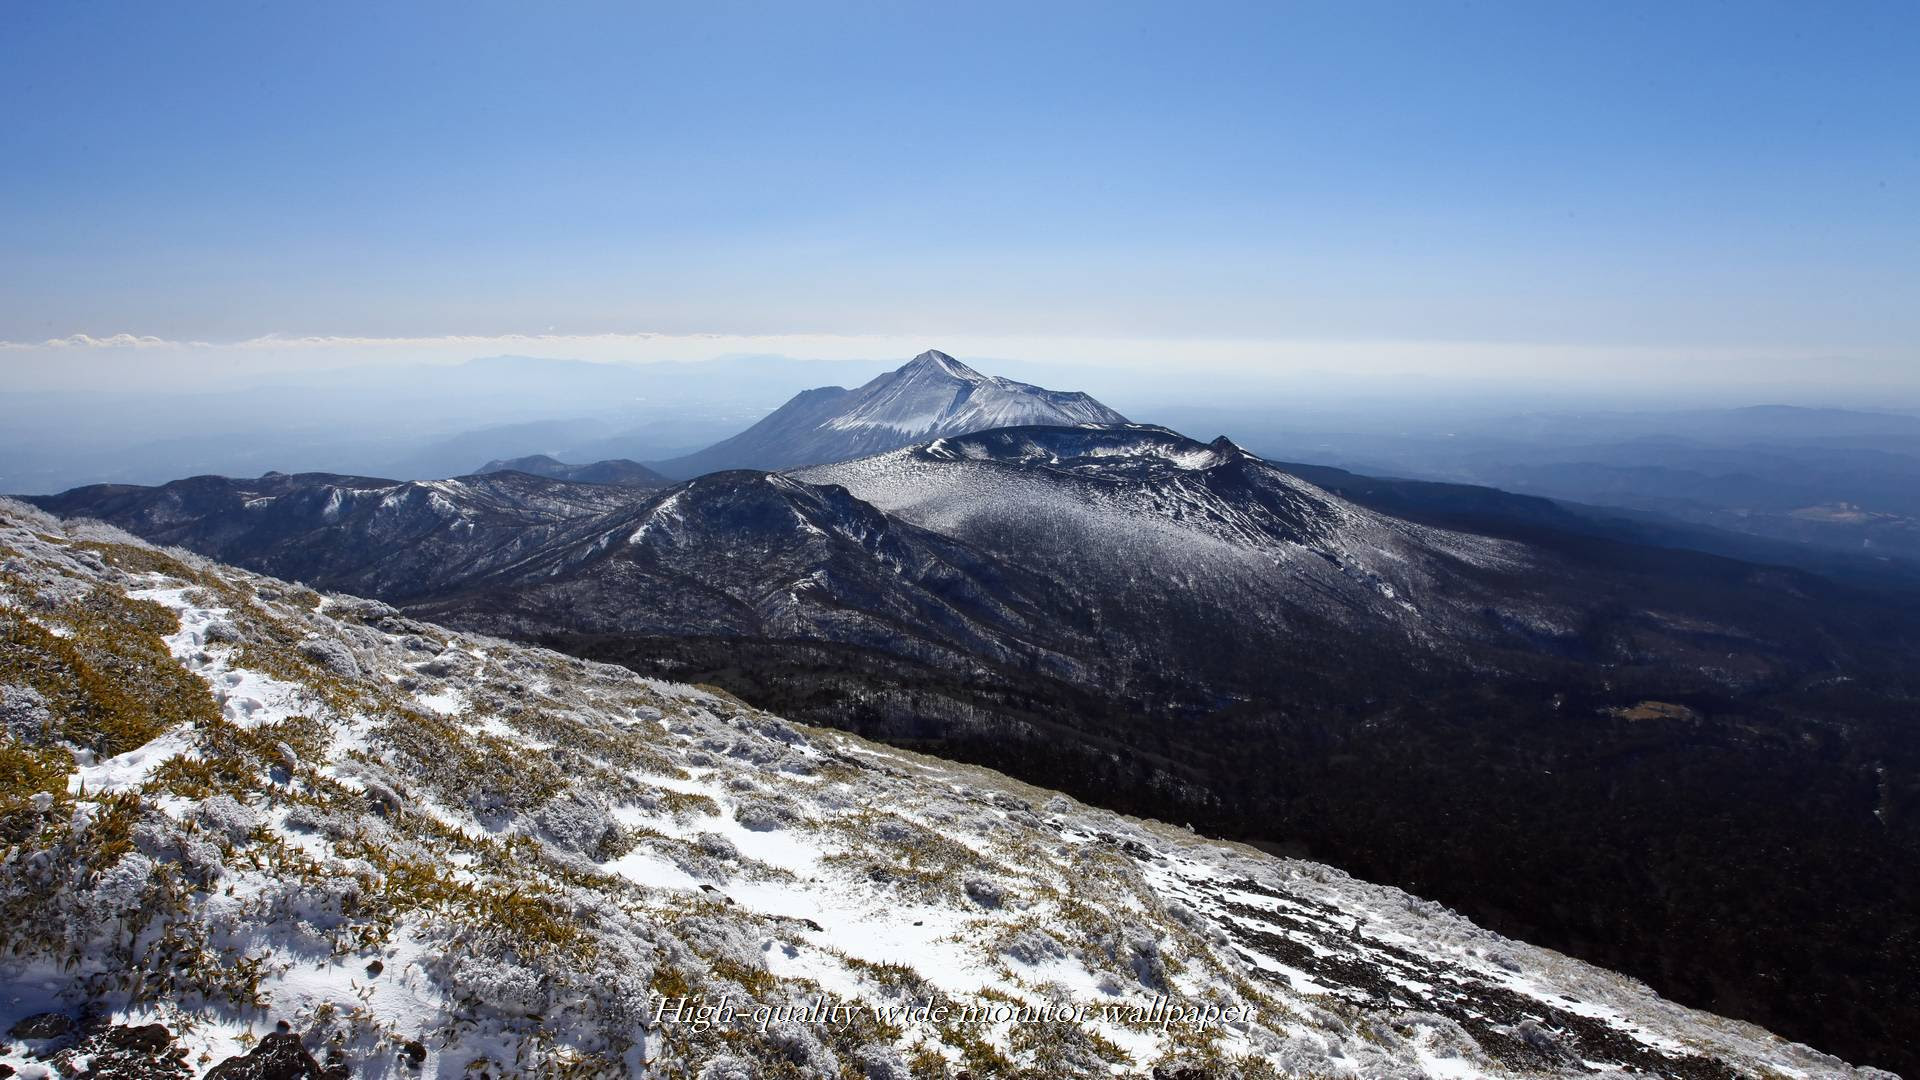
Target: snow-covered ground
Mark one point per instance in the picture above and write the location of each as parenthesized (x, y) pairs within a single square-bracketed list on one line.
[(441, 854)]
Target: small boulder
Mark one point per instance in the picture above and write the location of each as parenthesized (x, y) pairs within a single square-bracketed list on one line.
[(382, 800), (142, 1039), (227, 817), (286, 762), (985, 892), (331, 656), (46, 1025), (1548, 1043), (764, 814), (1033, 946), (361, 608), (450, 664), (278, 1056), (728, 1067), (880, 1061), (125, 1052), (25, 715)]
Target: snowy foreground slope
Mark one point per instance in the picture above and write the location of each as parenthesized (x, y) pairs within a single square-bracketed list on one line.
[(231, 803)]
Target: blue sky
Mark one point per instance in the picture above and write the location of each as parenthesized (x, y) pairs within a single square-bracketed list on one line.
[(1665, 176)]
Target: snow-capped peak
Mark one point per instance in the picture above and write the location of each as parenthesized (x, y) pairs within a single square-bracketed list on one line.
[(934, 394), (930, 396), (935, 362)]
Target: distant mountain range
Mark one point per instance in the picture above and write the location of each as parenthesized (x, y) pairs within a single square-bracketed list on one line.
[(932, 395), (1823, 488), (358, 534), (985, 545), (1125, 561), (617, 471)]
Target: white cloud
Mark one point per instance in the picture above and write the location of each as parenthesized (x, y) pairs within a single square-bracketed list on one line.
[(111, 341)]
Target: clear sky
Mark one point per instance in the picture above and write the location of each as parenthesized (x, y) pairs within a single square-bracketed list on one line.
[(1671, 180)]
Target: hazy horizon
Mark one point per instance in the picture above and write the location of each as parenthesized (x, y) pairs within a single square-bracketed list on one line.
[(1725, 377)]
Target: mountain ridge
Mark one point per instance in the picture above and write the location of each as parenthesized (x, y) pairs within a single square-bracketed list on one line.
[(376, 536)]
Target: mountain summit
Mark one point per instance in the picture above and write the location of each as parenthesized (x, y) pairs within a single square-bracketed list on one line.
[(931, 396)]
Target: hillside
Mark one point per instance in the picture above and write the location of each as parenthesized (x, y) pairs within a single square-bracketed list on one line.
[(366, 535), (245, 820), (1575, 740)]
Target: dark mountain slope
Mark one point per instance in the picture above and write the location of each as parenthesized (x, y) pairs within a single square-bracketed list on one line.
[(358, 534), (759, 555)]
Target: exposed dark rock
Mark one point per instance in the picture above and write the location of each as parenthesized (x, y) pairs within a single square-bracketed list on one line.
[(46, 1025), (278, 1056), (120, 1052)]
